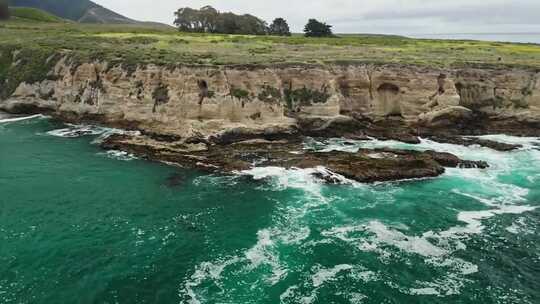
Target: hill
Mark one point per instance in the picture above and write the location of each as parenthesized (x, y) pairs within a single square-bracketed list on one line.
[(33, 14), (84, 11)]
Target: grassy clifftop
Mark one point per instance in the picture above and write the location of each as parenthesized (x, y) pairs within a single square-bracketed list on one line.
[(139, 45)]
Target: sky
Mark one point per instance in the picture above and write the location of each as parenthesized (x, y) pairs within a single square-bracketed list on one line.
[(403, 17)]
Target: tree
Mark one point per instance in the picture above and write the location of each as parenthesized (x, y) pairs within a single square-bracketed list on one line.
[(4, 10), (315, 28), (208, 17), (251, 25), (279, 28), (188, 20), (227, 24)]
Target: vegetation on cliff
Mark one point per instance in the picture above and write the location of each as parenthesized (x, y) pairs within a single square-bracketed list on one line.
[(28, 65), (132, 45)]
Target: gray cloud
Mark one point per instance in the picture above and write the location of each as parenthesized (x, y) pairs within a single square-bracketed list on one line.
[(354, 16)]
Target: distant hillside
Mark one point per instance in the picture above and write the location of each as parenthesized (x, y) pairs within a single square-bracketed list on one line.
[(33, 14), (83, 11)]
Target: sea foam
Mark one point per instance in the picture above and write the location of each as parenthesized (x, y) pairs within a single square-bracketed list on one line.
[(16, 119)]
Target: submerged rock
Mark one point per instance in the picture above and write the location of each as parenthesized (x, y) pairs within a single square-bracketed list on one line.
[(175, 180)]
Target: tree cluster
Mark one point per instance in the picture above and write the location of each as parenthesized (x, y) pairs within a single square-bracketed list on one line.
[(210, 20), (4, 10)]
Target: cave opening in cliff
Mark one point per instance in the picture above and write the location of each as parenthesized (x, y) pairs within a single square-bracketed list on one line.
[(389, 99)]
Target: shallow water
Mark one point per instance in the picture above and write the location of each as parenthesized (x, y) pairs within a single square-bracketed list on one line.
[(78, 225)]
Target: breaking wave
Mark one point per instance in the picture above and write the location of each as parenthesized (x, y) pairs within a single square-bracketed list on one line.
[(76, 130), (119, 155), (20, 118)]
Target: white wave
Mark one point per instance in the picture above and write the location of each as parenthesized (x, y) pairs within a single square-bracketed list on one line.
[(324, 275), (504, 203), (16, 119), (288, 294), (295, 236), (425, 291), (447, 286), (74, 131), (533, 178), (520, 226), (356, 297), (262, 253), (461, 266), (286, 178), (345, 145), (204, 272), (318, 280), (473, 219), (436, 249), (304, 179), (383, 235), (364, 275), (119, 155), (320, 277)]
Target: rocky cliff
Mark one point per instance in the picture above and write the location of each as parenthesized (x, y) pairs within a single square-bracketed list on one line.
[(202, 101), (229, 118)]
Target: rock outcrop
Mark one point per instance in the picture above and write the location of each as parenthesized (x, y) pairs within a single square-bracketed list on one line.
[(366, 165), (446, 117), (202, 101)]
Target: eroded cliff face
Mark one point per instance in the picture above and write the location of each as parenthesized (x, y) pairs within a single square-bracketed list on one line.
[(189, 101)]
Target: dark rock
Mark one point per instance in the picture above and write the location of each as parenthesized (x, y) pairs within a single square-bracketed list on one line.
[(243, 134), (452, 161), (363, 166), (162, 137), (327, 177), (357, 127), (470, 141)]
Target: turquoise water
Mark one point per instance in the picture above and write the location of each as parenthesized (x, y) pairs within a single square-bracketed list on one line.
[(78, 225)]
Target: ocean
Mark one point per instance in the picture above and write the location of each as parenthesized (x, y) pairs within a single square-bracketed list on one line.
[(500, 37), (81, 225)]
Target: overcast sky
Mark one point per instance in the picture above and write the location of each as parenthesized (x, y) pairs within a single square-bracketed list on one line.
[(407, 17)]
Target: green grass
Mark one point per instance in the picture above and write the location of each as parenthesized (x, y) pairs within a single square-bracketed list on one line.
[(133, 45), (27, 14)]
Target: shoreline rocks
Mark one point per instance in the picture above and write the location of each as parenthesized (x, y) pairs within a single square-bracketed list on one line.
[(366, 165)]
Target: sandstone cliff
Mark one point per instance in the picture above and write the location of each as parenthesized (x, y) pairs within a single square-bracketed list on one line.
[(201, 101)]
